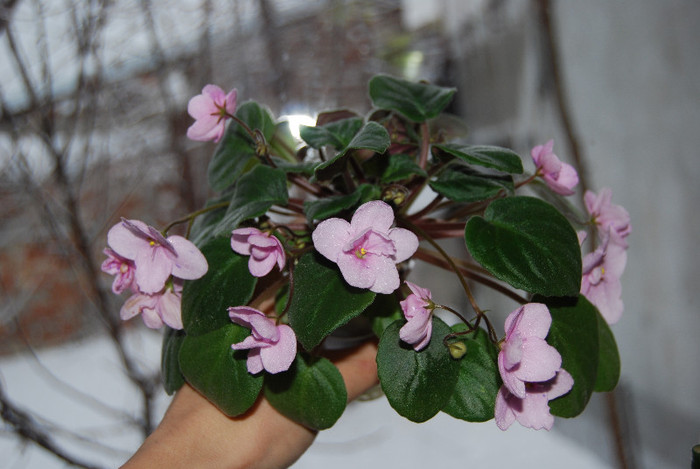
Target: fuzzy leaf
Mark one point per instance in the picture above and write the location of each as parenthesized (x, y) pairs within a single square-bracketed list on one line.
[(460, 186), (474, 396), (322, 301), (417, 384), (169, 365), (416, 101), (527, 243), (254, 193), (228, 282), (311, 392), (337, 134), (608, 360), (372, 136), (501, 159), (236, 150), (218, 372), (574, 333)]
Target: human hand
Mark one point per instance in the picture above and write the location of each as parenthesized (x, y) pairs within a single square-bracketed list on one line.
[(194, 433)]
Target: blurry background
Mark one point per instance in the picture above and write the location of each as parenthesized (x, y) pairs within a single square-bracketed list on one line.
[(93, 98)]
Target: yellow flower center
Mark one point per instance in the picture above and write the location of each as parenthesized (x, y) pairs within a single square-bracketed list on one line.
[(360, 253)]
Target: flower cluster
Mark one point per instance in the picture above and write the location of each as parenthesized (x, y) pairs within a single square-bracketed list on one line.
[(530, 369), (603, 267), (144, 261), (305, 243)]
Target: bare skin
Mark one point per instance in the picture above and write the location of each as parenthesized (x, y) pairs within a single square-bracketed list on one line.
[(194, 433)]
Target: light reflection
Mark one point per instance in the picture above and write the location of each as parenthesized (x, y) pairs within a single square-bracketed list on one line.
[(296, 121)]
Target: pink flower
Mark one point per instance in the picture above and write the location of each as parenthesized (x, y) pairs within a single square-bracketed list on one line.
[(122, 269), (264, 250), (418, 308), (367, 249), (560, 177), (602, 270), (525, 357), (532, 410), (271, 347), (607, 215), (211, 110), (155, 309), (155, 257)]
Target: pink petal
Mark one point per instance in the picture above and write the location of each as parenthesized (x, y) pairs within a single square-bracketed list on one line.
[(420, 292), (231, 99), (386, 278), (503, 413), (170, 311), (375, 214), (261, 267), (190, 263), (281, 355), (254, 362), (417, 331), (262, 326), (357, 272), (201, 107), (560, 385), (515, 386), (533, 321), (540, 361), (206, 129), (151, 318), (133, 305), (330, 236), (153, 267), (215, 93), (239, 240), (124, 242), (249, 343), (405, 242), (535, 412)]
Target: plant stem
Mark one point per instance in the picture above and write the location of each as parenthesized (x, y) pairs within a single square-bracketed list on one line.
[(190, 217)]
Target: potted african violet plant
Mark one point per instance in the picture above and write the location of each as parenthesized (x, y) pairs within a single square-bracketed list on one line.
[(299, 242)]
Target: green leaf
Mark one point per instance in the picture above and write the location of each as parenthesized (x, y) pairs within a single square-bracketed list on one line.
[(322, 300), (311, 392), (236, 150), (328, 206), (474, 396), (608, 359), (401, 167), (337, 134), (169, 365), (255, 192), (384, 310), (461, 186), (574, 333), (501, 159), (527, 243), (372, 136), (416, 101), (205, 225), (228, 282), (417, 384), (218, 372)]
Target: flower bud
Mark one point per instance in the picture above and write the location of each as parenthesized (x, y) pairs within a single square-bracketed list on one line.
[(457, 349)]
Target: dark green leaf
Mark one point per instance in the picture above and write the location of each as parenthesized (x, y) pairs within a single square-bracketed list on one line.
[(322, 301), (461, 186), (337, 134), (384, 310), (204, 225), (218, 372), (401, 167), (169, 365), (608, 360), (474, 396), (328, 206), (501, 159), (574, 333), (228, 282), (417, 384), (236, 151), (416, 101), (527, 243), (255, 192), (311, 392), (305, 168), (372, 136)]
